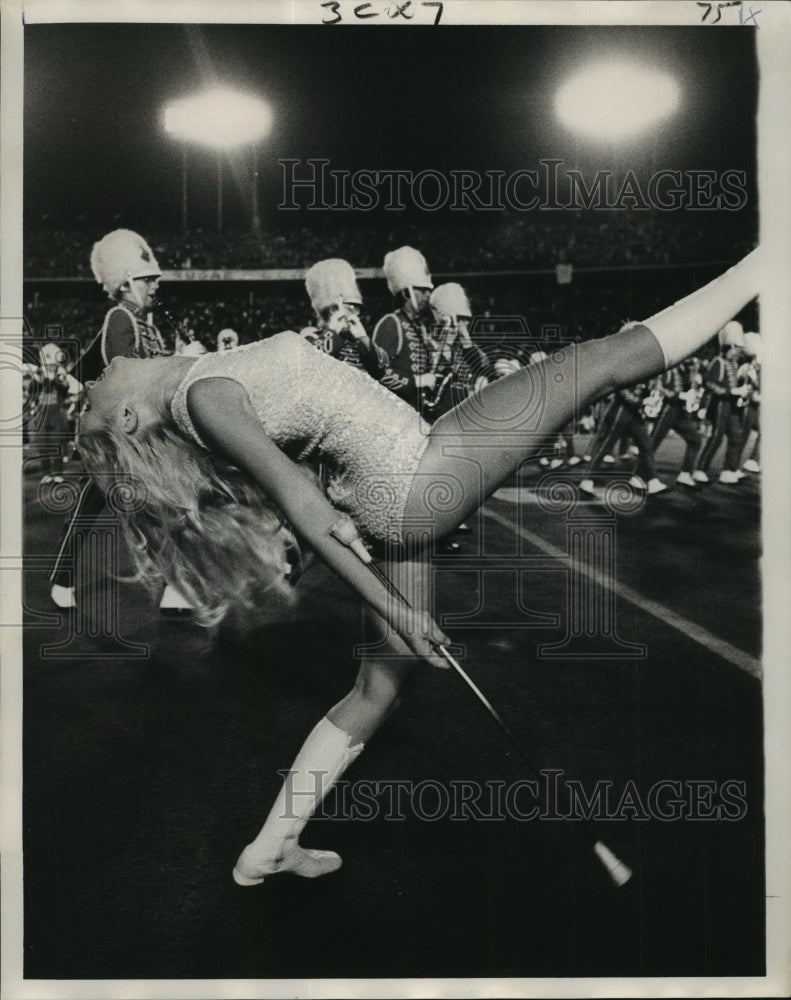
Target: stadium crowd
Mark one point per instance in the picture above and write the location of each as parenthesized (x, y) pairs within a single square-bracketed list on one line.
[(497, 242)]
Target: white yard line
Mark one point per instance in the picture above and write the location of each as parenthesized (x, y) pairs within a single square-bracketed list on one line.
[(697, 633)]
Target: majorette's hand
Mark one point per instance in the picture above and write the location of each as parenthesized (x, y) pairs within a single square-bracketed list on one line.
[(422, 634)]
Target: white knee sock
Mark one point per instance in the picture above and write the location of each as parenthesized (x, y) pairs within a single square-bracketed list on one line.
[(324, 756), (692, 321)]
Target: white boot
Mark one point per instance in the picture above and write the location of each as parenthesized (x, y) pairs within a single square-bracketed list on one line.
[(656, 486), (684, 327), (324, 756), (685, 479), (700, 476)]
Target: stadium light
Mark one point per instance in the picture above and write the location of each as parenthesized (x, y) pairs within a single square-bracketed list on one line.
[(615, 100), (222, 119)]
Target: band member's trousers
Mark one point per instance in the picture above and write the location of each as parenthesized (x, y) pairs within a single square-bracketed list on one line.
[(727, 420), (89, 505), (626, 419), (752, 422), (675, 418)]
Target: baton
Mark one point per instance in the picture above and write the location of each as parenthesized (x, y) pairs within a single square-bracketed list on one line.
[(345, 532)]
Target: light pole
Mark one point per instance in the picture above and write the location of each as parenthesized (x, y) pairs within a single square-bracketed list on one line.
[(254, 193), (184, 225), (219, 191), (222, 119)]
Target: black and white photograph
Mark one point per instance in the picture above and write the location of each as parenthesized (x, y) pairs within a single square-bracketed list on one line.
[(395, 451)]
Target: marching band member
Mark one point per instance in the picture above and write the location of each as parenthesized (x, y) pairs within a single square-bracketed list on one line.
[(727, 398), (419, 361), (403, 333), (227, 339), (752, 418), (336, 299), (217, 438), (51, 424), (681, 388), (126, 268), (627, 417), (459, 365)]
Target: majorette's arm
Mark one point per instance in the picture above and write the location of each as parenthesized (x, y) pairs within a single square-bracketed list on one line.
[(225, 419)]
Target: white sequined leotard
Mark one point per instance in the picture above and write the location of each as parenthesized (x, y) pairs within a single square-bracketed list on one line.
[(313, 406)]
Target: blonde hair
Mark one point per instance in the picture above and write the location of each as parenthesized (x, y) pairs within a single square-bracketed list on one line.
[(193, 520)]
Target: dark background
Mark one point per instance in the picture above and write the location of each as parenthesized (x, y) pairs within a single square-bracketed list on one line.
[(447, 97)]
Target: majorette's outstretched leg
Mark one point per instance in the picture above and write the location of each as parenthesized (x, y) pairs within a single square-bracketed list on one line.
[(475, 447)]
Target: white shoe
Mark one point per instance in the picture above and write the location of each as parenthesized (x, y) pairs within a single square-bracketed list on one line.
[(751, 465), (726, 476), (685, 479), (556, 463), (299, 861), (637, 483), (700, 476), (64, 597), (543, 462), (656, 486), (587, 486), (172, 600), (575, 460), (608, 460), (740, 475)]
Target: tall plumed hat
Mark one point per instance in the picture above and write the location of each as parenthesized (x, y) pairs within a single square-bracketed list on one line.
[(752, 345), (227, 339), (406, 268), (331, 281), (732, 334), (450, 299), (120, 256), (52, 354)]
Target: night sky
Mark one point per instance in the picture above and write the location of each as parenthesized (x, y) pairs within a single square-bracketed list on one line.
[(447, 97)]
